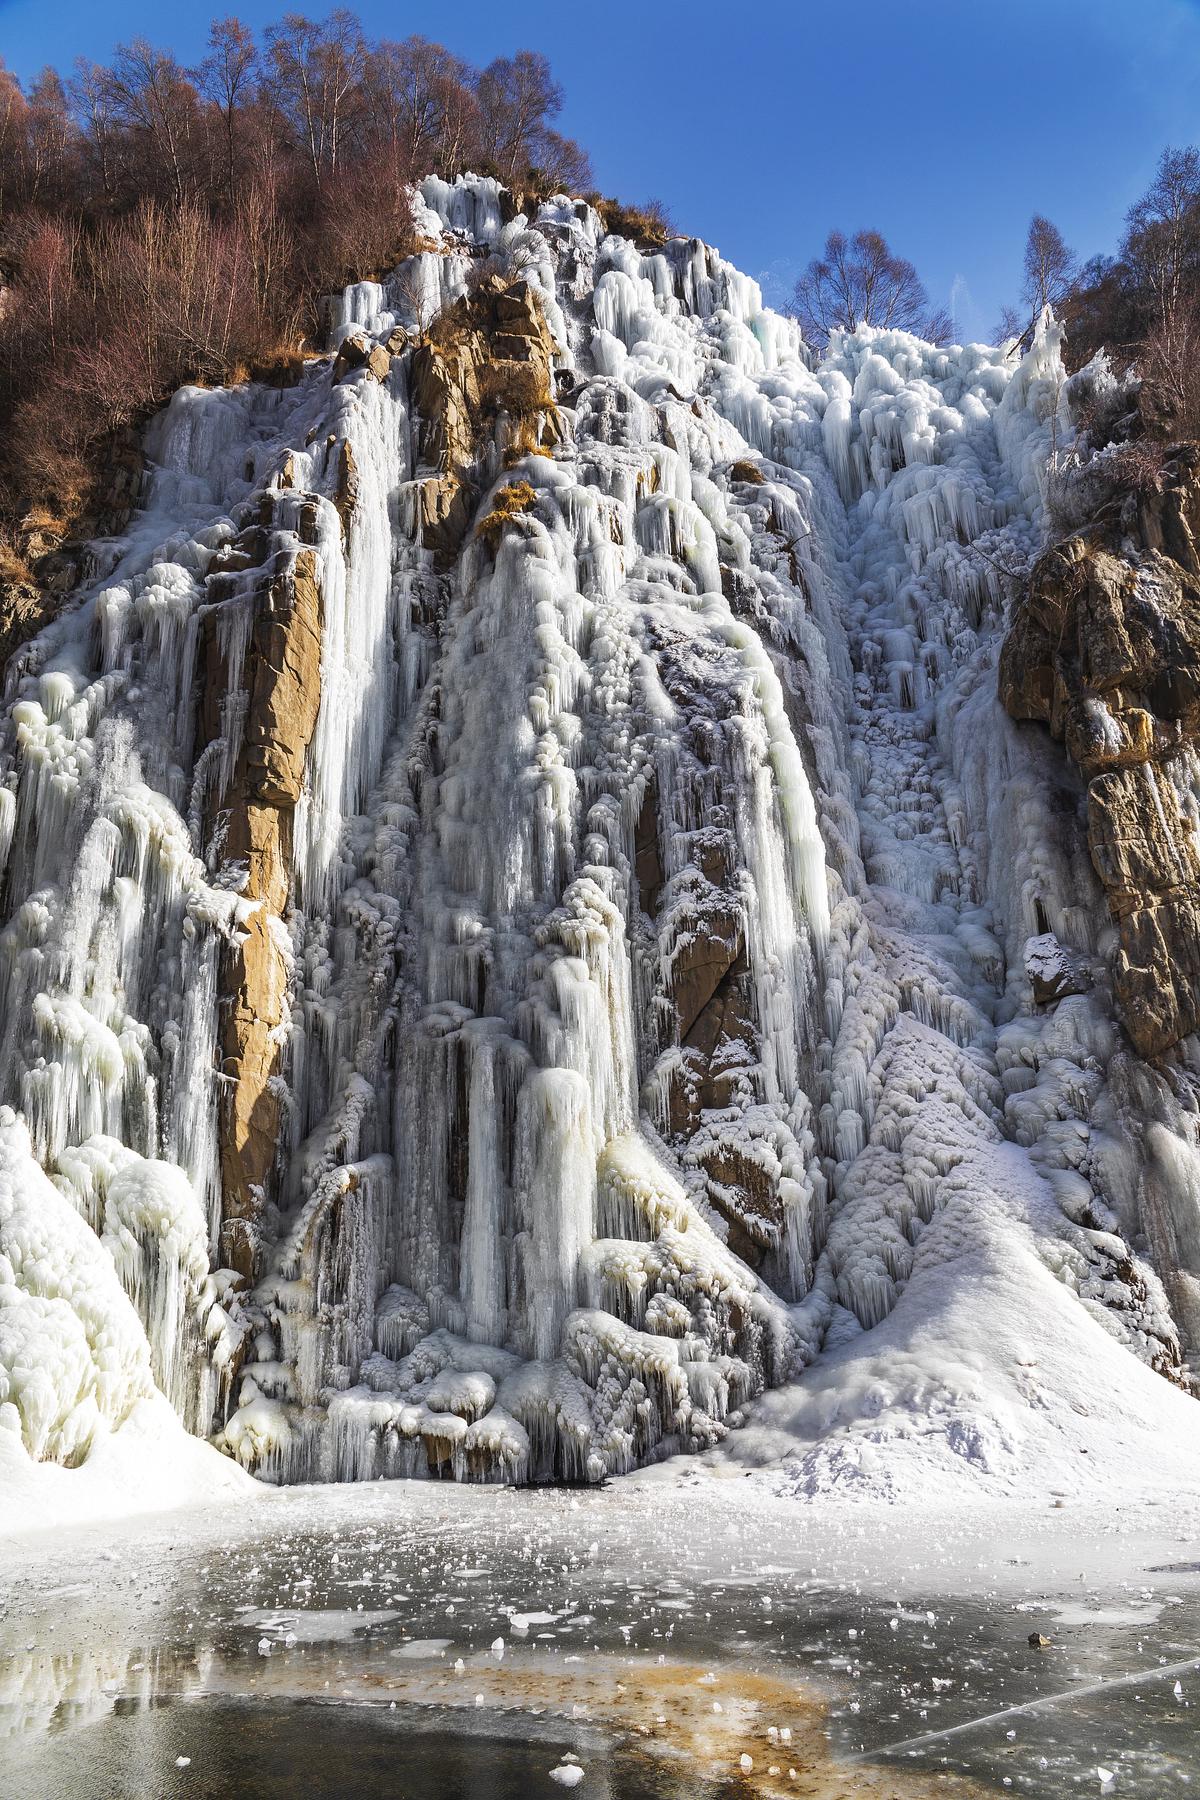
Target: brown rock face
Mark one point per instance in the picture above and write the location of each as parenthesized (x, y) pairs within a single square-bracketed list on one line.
[(282, 679), (25, 606), (346, 497), (711, 951), (490, 352), (1105, 649), (742, 1190)]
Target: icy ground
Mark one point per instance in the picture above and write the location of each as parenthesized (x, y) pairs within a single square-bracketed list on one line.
[(657, 1631)]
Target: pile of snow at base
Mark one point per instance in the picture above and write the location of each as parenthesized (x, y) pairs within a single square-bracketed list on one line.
[(981, 1383), (149, 1464), (73, 1354), (76, 1375)]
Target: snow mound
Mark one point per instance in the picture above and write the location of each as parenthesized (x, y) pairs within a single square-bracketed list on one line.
[(986, 1379), (73, 1354), (149, 1464)]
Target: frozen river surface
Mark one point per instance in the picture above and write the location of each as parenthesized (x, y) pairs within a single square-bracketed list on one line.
[(695, 1638)]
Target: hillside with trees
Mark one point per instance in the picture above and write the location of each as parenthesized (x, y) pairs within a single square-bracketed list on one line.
[(160, 224)]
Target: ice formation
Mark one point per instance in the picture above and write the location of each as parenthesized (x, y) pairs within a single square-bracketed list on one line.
[(645, 925)]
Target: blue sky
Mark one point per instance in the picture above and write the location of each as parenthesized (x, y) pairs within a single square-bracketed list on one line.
[(945, 123)]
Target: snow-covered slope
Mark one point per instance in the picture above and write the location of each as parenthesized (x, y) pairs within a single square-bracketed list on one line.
[(651, 1010)]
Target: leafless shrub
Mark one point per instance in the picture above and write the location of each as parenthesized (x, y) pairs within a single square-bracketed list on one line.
[(510, 502), (647, 226), (516, 388)]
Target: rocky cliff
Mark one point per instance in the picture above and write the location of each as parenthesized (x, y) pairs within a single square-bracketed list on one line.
[(1104, 647)]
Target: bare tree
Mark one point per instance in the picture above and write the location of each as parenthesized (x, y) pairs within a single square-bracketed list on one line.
[(1050, 268), (861, 281), (226, 77), (53, 137), (517, 95), (461, 126), (408, 90), (1161, 251), (1011, 324), (150, 94), (1051, 272), (92, 101), (1162, 237), (563, 164), (14, 125), (315, 75)]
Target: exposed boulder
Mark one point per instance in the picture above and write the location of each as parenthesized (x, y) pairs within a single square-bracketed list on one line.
[(1053, 970), (709, 946), (358, 352), (741, 1189), (720, 1045), (745, 470)]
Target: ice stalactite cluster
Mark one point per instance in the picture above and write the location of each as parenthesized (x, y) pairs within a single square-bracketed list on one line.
[(626, 910)]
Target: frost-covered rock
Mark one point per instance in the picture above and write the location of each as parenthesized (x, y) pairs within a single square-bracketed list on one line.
[(1105, 648), (1052, 970)]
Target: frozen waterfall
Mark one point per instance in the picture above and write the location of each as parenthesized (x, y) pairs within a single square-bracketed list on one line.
[(621, 966)]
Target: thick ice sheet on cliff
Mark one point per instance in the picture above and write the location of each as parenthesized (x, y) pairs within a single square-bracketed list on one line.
[(519, 1226)]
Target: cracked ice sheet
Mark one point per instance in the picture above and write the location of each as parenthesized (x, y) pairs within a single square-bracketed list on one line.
[(708, 1522)]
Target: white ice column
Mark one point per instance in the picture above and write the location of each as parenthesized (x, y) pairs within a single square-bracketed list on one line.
[(555, 1201)]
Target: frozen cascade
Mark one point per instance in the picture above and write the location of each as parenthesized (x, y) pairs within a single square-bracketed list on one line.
[(623, 918)]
